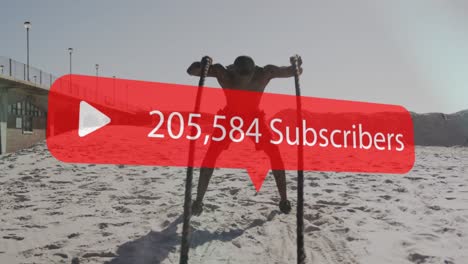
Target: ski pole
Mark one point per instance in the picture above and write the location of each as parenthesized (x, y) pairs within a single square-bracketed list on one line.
[(300, 173), (185, 243)]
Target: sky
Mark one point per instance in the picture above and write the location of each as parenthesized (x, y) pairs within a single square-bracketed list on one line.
[(409, 53)]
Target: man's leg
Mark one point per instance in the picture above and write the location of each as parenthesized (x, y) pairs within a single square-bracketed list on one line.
[(276, 162), (280, 177), (206, 171)]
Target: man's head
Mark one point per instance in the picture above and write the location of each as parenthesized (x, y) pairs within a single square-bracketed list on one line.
[(244, 65)]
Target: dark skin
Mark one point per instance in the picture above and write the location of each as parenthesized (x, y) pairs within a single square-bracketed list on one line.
[(244, 75), (229, 78)]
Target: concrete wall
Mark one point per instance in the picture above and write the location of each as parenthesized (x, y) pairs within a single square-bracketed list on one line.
[(17, 140), (12, 138), (3, 118)]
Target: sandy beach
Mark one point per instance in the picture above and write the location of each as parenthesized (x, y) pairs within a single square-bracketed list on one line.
[(52, 212)]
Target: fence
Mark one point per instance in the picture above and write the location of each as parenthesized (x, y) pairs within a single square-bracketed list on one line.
[(18, 71)]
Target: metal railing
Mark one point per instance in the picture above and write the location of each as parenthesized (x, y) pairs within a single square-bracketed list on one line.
[(18, 71)]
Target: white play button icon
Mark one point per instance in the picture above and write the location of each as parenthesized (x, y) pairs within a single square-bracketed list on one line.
[(91, 119)]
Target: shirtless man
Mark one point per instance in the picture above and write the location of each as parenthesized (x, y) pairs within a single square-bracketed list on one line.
[(242, 75)]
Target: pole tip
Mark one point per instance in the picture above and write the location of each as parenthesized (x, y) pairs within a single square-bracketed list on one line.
[(207, 59), (294, 59)]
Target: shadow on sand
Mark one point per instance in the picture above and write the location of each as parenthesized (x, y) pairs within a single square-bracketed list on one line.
[(154, 247)]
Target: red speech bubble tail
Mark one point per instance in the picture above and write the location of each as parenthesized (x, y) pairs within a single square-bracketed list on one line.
[(258, 175)]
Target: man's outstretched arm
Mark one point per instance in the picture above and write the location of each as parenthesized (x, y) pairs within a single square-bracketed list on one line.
[(216, 70), (273, 71)]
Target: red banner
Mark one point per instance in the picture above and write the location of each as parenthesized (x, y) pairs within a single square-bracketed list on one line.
[(117, 121)]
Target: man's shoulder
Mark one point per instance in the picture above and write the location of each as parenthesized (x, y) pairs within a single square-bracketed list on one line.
[(261, 71), (269, 67)]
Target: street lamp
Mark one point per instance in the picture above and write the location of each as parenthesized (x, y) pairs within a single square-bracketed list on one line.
[(27, 25), (113, 90), (70, 51), (97, 74)]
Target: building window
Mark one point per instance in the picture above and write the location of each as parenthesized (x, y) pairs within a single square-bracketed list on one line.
[(27, 124), (19, 108), (19, 122), (14, 109), (25, 108)]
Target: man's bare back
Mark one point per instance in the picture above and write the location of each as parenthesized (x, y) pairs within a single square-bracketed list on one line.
[(242, 75)]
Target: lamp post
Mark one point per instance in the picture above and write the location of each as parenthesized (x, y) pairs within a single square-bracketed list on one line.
[(27, 25), (113, 90), (70, 51), (97, 75)]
